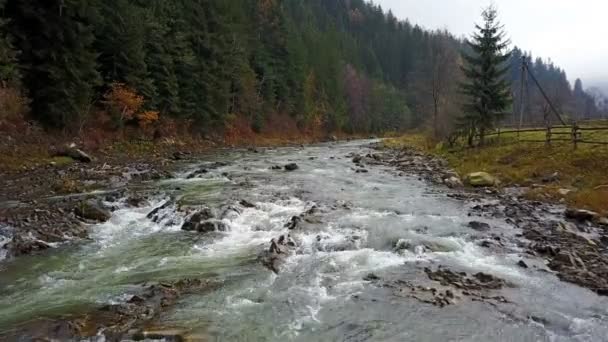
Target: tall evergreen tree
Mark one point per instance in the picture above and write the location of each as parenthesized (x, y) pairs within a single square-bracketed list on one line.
[(56, 43), (487, 90), (9, 66)]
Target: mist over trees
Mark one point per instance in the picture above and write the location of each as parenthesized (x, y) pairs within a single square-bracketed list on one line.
[(334, 65)]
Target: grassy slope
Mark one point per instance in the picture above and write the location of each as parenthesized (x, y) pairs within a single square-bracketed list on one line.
[(584, 170)]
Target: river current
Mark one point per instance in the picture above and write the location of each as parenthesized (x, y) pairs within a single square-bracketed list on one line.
[(321, 293)]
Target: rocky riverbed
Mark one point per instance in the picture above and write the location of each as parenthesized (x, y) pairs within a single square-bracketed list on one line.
[(333, 241), (573, 242)]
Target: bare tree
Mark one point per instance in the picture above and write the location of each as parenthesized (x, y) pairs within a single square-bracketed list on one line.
[(436, 85)]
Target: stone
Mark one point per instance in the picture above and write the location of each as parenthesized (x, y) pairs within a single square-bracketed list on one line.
[(208, 226), (20, 245), (293, 223), (135, 201), (552, 178), (73, 152), (479, 226), (198, 173), (291, 167), (480, 179), (246, 204), (357, 159), (154, 214), (453, 182), (93, 211), (203, 222), (522, 264), (371, 277), (178, 155), (280, 249), (581, 215)]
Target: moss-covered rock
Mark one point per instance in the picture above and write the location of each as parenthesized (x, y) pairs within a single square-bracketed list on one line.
[(481, 179)]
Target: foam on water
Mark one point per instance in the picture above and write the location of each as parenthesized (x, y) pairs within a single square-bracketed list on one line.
[(252, 228), (131, 223), (4, 240)]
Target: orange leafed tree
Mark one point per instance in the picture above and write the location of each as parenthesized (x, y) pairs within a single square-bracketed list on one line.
[(146, 118), (128, 104), (123, 100)]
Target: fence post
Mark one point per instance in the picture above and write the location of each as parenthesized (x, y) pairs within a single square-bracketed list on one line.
[(575, 135), (498, 135), (548, 142)]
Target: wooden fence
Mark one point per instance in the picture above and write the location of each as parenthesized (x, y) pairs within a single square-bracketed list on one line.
[(574, 133)]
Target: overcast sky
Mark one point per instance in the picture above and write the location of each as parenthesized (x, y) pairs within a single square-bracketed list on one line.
[(573, 33)]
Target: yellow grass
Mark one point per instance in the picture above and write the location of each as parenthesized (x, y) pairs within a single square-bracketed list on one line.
[(584, 170)]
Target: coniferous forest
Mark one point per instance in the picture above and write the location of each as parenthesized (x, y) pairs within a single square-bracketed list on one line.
[(339, 65)]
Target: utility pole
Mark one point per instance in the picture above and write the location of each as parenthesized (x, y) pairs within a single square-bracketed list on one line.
[(524, 75)]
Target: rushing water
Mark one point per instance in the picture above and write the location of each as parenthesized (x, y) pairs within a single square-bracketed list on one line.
[(320, 295)]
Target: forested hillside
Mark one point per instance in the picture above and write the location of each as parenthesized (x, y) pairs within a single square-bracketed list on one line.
[(326, 65)]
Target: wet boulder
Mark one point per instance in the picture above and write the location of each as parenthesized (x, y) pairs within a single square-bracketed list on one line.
[(25, 245), (208, 226), (479, 226), (280, 249), (92, 211), (480, 179), (135, 201), (198, 173), (203, 222), (294, 223), (291, 167), (160, 213), (246, 204), (231, 212)]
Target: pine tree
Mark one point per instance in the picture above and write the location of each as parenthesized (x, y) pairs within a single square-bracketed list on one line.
[(9, 66), (487, 89), (122, 45), (56, 43)]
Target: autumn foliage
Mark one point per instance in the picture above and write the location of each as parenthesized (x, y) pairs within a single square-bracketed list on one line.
[(127, 105)]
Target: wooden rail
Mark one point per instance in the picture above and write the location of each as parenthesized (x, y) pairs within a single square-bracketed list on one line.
[(574, 131)]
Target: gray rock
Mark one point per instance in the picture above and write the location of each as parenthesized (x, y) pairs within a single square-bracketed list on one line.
[(581, 215), (93, 211), (479, 226), (73, 152), (203, 222), (291, 167), (453, 182), (480, 179)]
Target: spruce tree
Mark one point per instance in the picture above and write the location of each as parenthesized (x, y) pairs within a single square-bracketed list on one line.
[(9, 67), (486, 89), (55, 39)]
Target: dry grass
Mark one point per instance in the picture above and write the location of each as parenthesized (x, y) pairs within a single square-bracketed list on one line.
[(583, 170)]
